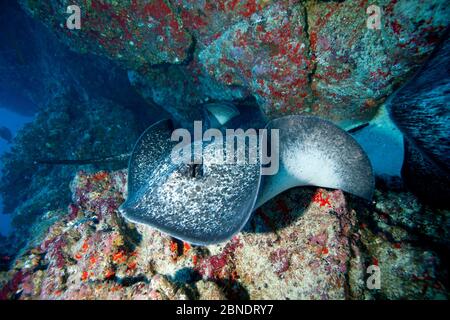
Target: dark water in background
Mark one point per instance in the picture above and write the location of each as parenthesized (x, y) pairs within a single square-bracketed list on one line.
[(14, 122)]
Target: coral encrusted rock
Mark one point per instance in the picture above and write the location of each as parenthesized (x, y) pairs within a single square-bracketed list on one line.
[(294, 57), (305, 244)]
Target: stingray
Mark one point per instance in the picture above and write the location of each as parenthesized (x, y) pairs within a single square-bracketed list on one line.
[(199, 205), (420, 109), (219, 114), (208, 203), (315, 152)]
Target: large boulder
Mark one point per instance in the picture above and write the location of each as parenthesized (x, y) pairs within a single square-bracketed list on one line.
[(135, 32), (357, 68), (36, 67), (311, 56), (67, 129)]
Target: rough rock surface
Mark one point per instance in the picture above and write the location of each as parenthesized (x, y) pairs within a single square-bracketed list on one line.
[(294, 56), (356, 68), (85, 108), (136, 33), (67, 129), (177, 89), (306, 243), (35, 68)]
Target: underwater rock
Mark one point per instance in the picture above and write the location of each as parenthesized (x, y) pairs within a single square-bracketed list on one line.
[(208, 290), (403, 209), (135, 33), (36, 67), (67, 128), (319, 57), (208, 19), (181, 89), (295, 57), (357, 68), (306, 243), (269, 53)]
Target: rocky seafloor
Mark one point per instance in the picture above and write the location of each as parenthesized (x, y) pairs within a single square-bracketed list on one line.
[(135, 61), (307, 243)]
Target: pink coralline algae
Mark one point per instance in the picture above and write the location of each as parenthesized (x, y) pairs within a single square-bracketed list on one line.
[(220, 266), (294, 57), (11, 287), (133, 32), (311, 252), (280, 260)]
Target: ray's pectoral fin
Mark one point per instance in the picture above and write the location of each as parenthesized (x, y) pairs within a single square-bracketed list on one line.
[(421, 111), (218, 114), (148, 151), (203, 203), (315, 152), (151, 146)]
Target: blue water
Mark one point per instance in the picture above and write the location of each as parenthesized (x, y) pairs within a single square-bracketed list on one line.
[(383, 143), (13, 122)]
